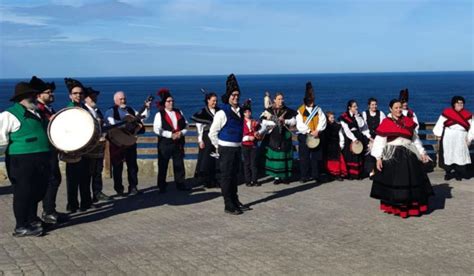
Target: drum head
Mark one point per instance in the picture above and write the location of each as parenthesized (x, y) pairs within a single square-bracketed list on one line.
[(71, 129), (357, 148), (312, 142)]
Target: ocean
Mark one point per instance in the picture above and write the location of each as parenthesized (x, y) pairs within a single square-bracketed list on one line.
[(430, 92)]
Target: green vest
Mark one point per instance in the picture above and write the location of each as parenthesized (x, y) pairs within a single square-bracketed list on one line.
[(31, 137)]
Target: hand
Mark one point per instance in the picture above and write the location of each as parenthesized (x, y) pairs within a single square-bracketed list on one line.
[(315, 133), (356, 141), (425, 158), (251, 138), (379, 165), (202, 145)]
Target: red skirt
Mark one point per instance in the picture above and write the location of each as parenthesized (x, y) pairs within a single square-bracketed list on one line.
[(404, 211), (337, 167)]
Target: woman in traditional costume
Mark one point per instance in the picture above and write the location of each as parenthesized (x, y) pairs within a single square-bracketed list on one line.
[(372, 117), (334, 137), (356, 134), (206, 164), (454, 127), (400, 183), (279, 151)]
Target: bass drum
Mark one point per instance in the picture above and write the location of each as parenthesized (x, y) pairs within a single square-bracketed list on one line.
[(312, 142), (357, 147), (74, 132)]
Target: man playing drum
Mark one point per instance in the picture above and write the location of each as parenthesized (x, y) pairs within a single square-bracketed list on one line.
[(96, 156), (118, 153), (310, 121), (27, 158), (77, 172)]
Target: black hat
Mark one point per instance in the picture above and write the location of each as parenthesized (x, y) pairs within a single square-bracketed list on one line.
[(403, 95), (163, 93), (247, 105), (71, 83), (40, 85), (90, 90), (309, 94), (23, 90), (231, 86)]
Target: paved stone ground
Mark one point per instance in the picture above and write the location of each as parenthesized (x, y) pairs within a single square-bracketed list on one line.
[(295, 229)]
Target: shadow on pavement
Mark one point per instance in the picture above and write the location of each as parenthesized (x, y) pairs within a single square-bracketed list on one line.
[(441, 193), (148, 198), (285, 192)]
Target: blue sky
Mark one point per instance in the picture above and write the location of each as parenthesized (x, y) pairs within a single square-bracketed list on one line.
[(199, 37)]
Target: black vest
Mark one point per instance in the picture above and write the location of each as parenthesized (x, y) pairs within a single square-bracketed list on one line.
[(373, 122), (166, 126), (117, 114)]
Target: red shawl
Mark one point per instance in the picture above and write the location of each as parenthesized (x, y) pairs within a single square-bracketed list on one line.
[(390, 128), (453, 117)]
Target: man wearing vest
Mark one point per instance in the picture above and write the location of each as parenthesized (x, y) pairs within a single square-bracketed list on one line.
[(113, 116), (96, 155), (27, 158), (170, 125), (77, 174), (309, 121), (44, 100), (226, 135)]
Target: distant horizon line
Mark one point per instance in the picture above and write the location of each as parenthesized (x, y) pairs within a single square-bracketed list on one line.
[(254, 74)]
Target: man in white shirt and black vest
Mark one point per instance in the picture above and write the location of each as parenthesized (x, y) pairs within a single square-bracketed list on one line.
[(226, 135), (118, 154), (28, 154), (96, 155), (170, 125)]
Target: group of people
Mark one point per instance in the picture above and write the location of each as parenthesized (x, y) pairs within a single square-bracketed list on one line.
[(385, 148)]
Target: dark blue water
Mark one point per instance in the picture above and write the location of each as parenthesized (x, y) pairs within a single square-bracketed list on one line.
[(429, 92)]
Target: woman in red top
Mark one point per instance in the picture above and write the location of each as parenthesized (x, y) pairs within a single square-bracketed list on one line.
[(400, 183)]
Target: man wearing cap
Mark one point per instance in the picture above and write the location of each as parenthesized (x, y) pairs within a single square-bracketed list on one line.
[(44, 100), (170, 125), (226, 135), (96, 155), (27, 158)]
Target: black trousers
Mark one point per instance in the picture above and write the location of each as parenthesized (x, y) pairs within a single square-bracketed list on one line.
[(49, 200), (229, 162), (167, 151), (309, 158), (77, 178), (96, 165), (250, 163), (132, 169), (29, 175)]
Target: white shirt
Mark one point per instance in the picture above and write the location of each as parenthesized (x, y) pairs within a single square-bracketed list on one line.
[(200, 127), (158, 128), (92, 110), (109, 115), (362, 126), (303, 128), (380, 143), (8, 124), (372, 114), (220, 119)]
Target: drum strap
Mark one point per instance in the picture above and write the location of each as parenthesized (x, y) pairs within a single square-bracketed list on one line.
[(312, 114)]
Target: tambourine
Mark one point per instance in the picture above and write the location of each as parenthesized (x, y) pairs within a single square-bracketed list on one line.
[(356, 147), (312, 142)]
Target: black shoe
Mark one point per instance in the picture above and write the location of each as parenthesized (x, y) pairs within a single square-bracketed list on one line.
[(242, 207), (248, 184), (36, 223), (121, 194), (257, 184), (71, 209), (100, 196), (233, 211), (51, 218), (305, 179), (182, 187), (277, 181), (286, 181), (28, 231), (339, 178), (133, 191)]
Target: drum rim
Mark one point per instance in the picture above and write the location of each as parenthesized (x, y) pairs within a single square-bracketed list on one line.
[(96, 131), (361, 145), (314, 139)]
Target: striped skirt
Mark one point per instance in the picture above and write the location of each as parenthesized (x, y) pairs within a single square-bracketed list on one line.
[(278, 163)]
